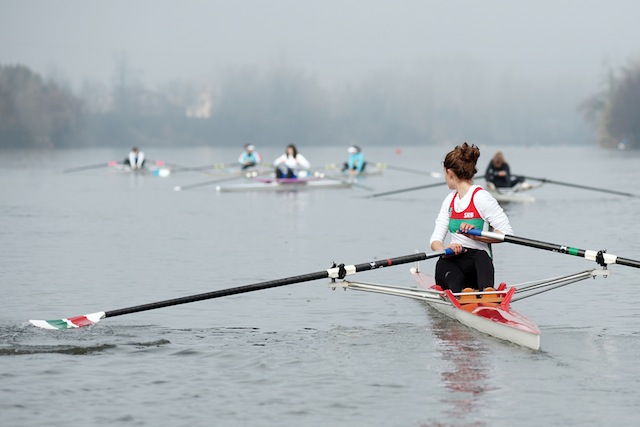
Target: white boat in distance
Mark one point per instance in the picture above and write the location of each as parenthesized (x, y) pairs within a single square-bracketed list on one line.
[(285, 184), (518, 193)]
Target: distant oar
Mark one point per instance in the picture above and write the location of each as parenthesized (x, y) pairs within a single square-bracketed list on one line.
[(403, 190), (415, 171), (205, 183), (347, 180), (96, 166), (601, 257), (250, 174), (584, 187), (338, 272), (217, 166), (206, 167)]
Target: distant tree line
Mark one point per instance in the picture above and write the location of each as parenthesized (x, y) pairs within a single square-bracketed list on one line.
[(614, 112), (35, 112), (285, 105)]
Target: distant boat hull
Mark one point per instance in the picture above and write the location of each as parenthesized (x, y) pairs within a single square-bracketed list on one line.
[(515, 194), (285, 184)]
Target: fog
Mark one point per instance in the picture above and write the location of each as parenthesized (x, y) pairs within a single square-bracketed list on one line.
[(490, 70), (334, 41)]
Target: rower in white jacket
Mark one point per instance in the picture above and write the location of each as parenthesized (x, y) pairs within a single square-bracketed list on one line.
[(291, 164), (135, 159)]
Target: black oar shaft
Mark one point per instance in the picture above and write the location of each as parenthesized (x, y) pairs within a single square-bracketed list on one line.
[(403, 190), (600, 257), (544, 245), (334, 272), (570, 250), (219, 294), (584, 187), (403, 169), (88, 167), (628, 262)]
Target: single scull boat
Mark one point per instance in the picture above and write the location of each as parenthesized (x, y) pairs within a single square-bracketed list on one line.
[(488, 312), (517, 193)]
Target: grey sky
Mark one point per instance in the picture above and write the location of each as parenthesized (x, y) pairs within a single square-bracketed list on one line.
[(333, 40)]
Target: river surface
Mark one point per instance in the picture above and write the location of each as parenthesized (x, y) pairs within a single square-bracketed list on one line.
[(302, 354)]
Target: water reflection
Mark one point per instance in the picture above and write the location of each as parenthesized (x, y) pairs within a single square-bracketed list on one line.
[(466, 369)]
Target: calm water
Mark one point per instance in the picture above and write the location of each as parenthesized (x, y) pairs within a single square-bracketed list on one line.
[(302, 354)]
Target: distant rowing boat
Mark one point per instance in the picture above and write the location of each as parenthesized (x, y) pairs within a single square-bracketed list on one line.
[(518, 193), (159, 168), (285, 184), (162, 172)]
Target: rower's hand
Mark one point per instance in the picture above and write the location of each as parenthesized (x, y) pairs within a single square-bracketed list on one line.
[(457, 248), (465, 227)]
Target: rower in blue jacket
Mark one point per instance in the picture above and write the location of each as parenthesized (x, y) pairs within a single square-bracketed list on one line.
[(355, 164), (249, 157)]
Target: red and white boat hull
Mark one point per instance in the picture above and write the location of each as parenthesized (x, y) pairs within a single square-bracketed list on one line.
[(495, 319)]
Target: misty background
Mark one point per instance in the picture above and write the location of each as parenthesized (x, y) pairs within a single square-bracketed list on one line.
[(375, 72)]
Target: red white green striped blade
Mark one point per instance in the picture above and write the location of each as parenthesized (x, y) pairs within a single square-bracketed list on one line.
[(72, 322)]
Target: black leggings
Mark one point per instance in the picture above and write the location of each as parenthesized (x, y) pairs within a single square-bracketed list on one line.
[(345, 167), (287, 173), (471, 269)]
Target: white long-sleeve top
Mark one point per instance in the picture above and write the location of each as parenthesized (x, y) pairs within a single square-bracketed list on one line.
[(487, 207), (136, 162), (297, 162)]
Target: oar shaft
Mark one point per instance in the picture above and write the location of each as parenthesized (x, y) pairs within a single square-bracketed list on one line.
[(403, 169), (584, 187), (202, 184), (334, 272), (88, 167), (403, 190), (219, 294), (598, 256)]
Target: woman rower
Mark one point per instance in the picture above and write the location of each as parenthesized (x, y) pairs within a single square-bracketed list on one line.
[(135, 159), (291, 164), (249, 157), (467, 206), (498, 173), (355, 163)]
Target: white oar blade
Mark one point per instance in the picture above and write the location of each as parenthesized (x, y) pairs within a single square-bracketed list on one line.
[(71, 322)]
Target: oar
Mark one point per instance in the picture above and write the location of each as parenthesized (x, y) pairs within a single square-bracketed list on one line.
[(346, 180), (336, 272), (250, 174), (207, 167), (202, 184), (416, 171), (584, 187), (96, 166), (402, 190), (600, 257)]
